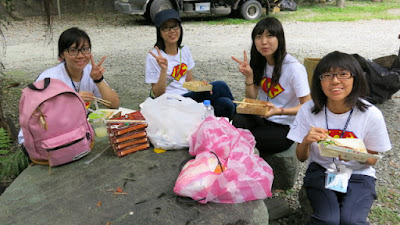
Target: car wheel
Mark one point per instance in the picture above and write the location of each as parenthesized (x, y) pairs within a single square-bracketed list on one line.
[(159, 5), (251, 10)]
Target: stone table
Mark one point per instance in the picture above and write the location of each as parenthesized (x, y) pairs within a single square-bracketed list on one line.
[(80, 193)]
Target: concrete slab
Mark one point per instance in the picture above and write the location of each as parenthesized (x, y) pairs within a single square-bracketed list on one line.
[(70, 194)]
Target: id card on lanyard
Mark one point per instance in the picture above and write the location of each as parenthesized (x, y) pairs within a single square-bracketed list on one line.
[(338, 180)]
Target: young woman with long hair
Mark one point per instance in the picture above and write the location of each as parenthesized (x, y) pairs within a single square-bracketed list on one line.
[(274, 76)]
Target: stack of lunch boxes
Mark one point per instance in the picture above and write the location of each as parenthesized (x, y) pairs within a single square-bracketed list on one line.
[(130, 136)]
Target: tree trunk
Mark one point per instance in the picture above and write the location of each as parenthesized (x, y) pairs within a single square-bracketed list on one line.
[(340, 3)]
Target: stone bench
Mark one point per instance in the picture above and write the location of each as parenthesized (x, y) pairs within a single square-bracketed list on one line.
[(286, 168)]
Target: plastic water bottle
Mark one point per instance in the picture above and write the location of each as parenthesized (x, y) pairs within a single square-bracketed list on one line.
[(209, 109)]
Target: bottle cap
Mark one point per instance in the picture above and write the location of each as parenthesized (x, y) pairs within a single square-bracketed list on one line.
[(206, 102)]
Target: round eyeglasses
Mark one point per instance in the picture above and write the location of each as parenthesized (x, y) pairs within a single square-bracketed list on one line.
[(75, 51), (340, 76)]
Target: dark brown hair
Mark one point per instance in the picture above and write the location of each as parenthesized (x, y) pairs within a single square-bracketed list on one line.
[(346, 62)]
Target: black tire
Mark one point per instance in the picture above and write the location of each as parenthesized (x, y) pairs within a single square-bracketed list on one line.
[(159, 5), (251, 10)]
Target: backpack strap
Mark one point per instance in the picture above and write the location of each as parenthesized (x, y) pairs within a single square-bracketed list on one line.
[(46, 84)]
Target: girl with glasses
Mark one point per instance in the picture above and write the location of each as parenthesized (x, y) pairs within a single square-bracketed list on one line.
[(74, 52), (170, 64), (338, 110), (274, 76), (78, 69)]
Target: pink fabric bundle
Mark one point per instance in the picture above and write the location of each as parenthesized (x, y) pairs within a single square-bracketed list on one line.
[(225, 169)]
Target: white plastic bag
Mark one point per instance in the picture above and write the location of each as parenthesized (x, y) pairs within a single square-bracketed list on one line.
[(171, 120)]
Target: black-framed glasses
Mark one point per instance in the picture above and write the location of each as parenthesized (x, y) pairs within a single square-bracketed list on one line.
[(174, 27), (340, 76), (75, 51)]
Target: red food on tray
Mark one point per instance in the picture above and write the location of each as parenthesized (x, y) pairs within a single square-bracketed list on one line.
[(129, 137)]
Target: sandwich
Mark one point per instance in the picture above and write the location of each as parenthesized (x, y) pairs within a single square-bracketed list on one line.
[(354, 144)]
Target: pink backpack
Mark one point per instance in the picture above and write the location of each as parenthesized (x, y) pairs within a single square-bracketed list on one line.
[(53, 121)]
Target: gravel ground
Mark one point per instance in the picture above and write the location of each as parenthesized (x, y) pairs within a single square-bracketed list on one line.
[(126, 40)]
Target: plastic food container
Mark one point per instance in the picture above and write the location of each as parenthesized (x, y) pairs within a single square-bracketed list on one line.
[(126, 138), (334, 151), (96, 119)]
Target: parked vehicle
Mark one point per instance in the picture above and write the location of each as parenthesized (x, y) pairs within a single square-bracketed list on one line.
[(248, 9)]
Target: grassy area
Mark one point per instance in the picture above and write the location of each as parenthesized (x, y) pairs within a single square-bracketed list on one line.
[(386, 209), (328, 11)]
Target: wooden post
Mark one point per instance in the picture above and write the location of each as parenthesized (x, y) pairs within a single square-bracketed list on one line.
[(58, 9)]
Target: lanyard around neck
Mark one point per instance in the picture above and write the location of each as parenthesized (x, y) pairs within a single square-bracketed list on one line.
[(345, 126), (72, 82)]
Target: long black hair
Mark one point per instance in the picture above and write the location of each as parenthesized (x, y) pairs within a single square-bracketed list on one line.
[(71, 36), (160, 41), (258, 62), (343, 61)]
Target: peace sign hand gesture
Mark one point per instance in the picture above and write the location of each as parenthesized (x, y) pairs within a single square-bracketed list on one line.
[(97, 70), (161, 61), (244, 66)]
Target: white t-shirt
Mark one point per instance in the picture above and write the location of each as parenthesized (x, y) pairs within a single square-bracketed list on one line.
[(86, 83), (369, 126), (178, 66), (292, 85)]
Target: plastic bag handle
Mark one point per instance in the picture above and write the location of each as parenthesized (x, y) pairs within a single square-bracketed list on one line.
[(46, 84), (219, 162)]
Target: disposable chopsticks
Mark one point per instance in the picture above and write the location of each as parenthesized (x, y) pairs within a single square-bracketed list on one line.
[(102, 101), (249, 103), (125, 121)]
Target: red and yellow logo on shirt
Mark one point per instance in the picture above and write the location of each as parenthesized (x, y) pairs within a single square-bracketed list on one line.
[(179, 71), (336, 133), (271, 92)]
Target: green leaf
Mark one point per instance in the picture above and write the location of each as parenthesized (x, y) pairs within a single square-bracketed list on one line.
[(2, 152)]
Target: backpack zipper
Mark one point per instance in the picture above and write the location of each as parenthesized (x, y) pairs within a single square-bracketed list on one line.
[(66, 145)]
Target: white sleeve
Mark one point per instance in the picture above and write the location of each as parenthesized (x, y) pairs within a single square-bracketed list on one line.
[(300, 80), (301, 125), (377, 137)]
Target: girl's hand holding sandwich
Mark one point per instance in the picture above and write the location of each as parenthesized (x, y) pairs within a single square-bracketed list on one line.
[(315, 134)]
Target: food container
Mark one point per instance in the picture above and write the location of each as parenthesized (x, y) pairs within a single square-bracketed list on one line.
[(96, 119), (126, 138), (257, 108), (334, 151), (197, 86)]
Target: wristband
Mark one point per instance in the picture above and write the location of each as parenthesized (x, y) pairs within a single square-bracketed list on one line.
[(282, 110), (99, 80), (248, 84)]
